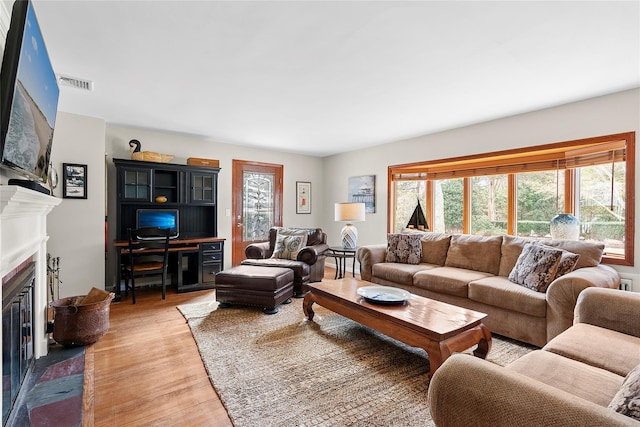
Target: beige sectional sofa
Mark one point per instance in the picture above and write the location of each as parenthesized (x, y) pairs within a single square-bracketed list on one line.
[(588, 375), (473, 272)]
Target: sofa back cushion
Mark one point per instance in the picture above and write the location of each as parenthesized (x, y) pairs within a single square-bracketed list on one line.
[(435, 247), (590, 253), (479, 253), (510, 251)]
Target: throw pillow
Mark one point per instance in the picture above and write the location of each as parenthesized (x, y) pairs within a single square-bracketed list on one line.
[(627, 399), (288, 243), (404, 248), (567, 264), (536, 267)]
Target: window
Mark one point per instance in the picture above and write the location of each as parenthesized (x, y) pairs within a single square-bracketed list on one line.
[(518, 191), (448, 206), (602, 205), (540, 196), (489, 214), (407, 196)]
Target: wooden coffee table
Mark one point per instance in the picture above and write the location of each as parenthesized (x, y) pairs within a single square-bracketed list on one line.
[(439, 328)]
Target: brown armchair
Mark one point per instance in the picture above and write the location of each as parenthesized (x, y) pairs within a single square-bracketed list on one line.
[(309, 265)]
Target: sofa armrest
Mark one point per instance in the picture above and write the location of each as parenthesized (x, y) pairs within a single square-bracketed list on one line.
[(610, 309), (468, 391), (310, 254), (369, 255), (563, 293), (258, 250)]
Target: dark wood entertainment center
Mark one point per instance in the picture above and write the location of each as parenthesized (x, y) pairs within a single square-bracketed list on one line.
[(197, 254)]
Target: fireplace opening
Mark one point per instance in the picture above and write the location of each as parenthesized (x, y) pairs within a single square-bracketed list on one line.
[(17, 334)]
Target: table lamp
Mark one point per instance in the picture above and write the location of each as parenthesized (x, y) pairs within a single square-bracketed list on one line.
[(349, 212)]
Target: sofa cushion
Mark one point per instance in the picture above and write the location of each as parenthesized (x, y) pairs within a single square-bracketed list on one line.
[(288, 243), (510, 251), (479, 253), (403, 248), (447, 280), (627, 399), (590, 253), (498, 291), (596, 346), (536, 267), (588, 382), (398, 273), (435, 247)]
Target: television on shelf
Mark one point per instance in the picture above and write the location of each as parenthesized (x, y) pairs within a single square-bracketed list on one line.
[(29, 95), (161, 218)]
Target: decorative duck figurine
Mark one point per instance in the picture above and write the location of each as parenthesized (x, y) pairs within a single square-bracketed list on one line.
[(147, 156)]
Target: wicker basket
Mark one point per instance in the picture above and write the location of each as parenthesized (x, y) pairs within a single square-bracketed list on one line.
[(151, 156), (76, 325)]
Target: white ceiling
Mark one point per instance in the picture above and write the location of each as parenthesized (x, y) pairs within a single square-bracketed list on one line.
[(324, 77)]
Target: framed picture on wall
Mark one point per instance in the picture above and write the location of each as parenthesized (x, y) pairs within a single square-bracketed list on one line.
[(74, 181), (303, 197), (362, 189)]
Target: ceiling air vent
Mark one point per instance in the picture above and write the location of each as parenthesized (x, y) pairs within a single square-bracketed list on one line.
[(76, 82)]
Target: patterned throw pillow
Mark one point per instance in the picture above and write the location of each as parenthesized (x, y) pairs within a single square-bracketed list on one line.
[(404, 248), (627, 399), (289, 243), (536, 267), (567, 264)]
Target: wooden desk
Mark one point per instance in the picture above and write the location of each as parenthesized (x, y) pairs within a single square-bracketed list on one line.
[(196, 261)]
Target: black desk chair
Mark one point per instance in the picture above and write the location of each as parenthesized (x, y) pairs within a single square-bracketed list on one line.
[(148, 256)]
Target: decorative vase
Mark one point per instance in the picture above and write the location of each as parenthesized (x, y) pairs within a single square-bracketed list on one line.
[(565, 227)]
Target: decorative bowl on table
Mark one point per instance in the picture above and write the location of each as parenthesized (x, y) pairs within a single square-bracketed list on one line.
[(385, 295)]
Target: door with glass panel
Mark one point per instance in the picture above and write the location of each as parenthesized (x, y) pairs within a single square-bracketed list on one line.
[(257, 204)]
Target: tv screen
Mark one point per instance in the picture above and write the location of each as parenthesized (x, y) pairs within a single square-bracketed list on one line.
[(161, 218), (28, 95)]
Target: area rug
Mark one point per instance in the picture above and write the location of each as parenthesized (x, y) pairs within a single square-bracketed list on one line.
[(283, 370)]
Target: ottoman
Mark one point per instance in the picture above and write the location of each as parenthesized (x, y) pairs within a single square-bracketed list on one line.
[(265, 287)]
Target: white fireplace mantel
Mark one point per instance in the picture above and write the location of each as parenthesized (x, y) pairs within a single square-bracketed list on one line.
[(23, 235)]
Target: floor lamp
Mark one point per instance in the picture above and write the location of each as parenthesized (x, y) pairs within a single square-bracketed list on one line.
[(349, 213)]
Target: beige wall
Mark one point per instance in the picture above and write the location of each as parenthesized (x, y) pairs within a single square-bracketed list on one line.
[(76, 226), (604, 115)]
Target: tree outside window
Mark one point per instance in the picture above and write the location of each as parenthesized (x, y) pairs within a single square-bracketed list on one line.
[(540, 198)]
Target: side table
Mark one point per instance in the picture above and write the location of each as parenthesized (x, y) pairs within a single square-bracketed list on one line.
[(341, 255)]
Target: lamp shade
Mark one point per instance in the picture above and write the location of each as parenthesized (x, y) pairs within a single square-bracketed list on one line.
[(349, 212)]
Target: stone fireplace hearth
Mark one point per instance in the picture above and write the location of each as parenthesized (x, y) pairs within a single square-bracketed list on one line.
[(23, 238)]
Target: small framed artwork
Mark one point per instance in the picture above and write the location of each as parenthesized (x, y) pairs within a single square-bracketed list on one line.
[(74, 181), (303, 197), (362, 189)]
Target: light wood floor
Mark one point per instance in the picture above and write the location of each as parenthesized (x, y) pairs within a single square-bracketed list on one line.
[(147, 370)]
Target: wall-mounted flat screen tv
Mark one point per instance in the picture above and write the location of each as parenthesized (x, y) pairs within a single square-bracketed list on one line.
[(28, 97), (161, 218)]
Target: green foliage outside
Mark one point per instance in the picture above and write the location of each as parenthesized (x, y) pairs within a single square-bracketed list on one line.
[(540, 197)]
